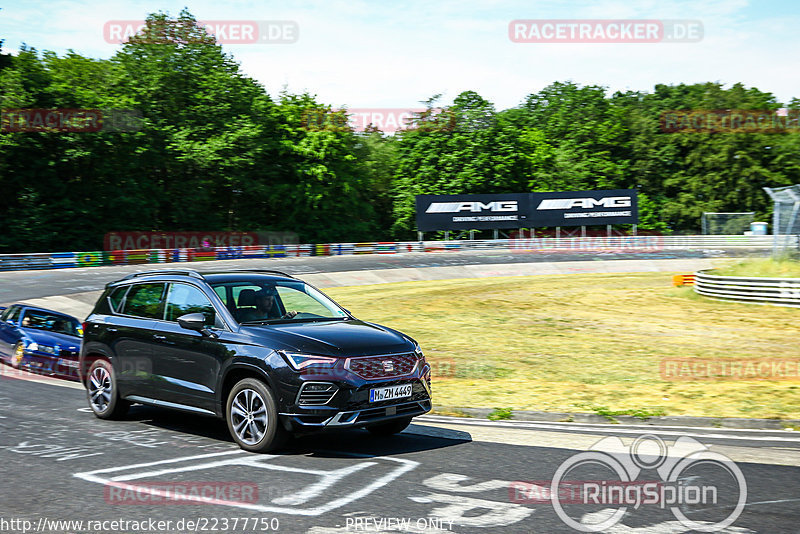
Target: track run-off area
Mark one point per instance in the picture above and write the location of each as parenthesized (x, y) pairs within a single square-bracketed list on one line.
[(63, 470)]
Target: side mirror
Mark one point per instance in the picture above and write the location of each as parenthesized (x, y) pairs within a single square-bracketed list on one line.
[(196, 322)]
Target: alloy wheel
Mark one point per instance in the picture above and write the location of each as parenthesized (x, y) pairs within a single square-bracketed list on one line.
[(19, 353), (249, 416), (100, 389)]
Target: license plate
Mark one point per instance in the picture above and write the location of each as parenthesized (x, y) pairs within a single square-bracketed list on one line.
[(390, 393), (68, 363)]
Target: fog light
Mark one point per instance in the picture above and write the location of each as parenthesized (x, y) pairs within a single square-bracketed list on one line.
[(317, 387)]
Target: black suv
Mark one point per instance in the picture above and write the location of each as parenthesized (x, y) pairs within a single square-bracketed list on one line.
[(269, 353)]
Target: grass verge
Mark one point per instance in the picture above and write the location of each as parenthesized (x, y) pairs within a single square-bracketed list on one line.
[(769, 268), (585, 343)]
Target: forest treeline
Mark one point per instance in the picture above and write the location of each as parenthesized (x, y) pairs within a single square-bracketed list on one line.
[(212, 150)]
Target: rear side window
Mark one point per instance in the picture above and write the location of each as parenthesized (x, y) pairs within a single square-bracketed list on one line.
[(184, 299), (115, 298), (6, 313), (145, 300), (14, 313)]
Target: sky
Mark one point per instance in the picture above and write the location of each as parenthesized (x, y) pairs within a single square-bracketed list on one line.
[(387, 54)]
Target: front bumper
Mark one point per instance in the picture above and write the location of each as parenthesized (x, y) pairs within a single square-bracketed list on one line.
[(66, 366), (350, 405)]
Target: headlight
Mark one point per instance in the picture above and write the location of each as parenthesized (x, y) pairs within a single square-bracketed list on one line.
[(34, 347), (301, 361)]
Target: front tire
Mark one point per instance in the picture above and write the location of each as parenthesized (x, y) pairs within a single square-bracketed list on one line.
[(391, 427), (102, 392), (19, 354), (252, 417)]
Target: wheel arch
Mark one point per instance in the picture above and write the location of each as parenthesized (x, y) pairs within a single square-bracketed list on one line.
[(93, 353), (233, 375)]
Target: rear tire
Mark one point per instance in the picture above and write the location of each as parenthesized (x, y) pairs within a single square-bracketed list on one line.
[(102, 392), (391, 427), (252, 417)]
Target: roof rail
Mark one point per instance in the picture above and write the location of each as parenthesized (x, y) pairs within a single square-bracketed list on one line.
[(265, 271), (185, 272)]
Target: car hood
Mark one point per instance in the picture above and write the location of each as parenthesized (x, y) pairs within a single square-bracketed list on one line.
[(334, 338), (52, 338)]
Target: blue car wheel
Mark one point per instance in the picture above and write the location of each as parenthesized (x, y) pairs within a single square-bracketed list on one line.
[(16, 358)]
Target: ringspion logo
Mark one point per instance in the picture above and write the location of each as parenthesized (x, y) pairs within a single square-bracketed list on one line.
[(704, 490)]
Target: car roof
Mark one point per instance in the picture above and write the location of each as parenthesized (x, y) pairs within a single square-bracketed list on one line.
[(223, 277), (216, 277)]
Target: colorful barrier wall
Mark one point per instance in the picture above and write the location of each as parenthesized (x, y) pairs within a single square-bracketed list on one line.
[(65, 260)]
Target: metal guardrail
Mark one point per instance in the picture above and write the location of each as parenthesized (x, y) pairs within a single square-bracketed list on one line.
[(774, 291)]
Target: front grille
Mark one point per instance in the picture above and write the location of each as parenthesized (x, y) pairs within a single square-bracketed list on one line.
[(68, 353), (316, 393), (359, 400), (387, 366)]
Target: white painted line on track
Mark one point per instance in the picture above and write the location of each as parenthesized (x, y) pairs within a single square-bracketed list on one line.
[(9, 373), (614, 429), (238, 458), (453, 419)]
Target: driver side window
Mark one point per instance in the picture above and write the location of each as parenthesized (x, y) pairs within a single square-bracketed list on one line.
[(183, 299)]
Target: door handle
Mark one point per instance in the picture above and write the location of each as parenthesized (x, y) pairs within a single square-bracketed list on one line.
[(160, 338), (111, 329)]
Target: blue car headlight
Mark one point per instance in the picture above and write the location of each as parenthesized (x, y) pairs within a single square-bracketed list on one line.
[(35, 347)]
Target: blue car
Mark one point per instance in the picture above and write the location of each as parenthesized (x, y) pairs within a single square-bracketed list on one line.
[(40, 340)]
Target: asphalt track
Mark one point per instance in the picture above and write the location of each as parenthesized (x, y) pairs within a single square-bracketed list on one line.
[(60, 463)]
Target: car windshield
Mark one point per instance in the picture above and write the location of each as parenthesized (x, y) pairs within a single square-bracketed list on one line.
[(51, 322), (277, 301)]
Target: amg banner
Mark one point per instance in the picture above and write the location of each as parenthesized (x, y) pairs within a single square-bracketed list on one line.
[(472, 212), (526, 210), (585, 208)]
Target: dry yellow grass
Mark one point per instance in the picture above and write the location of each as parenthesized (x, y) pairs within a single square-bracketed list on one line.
[(585, 343), (763, 267)]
